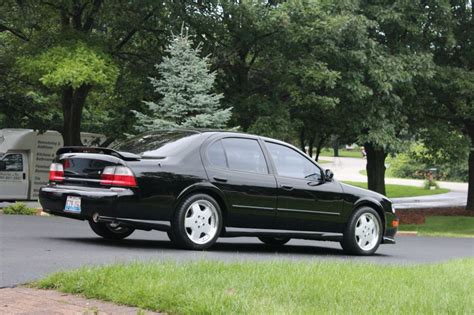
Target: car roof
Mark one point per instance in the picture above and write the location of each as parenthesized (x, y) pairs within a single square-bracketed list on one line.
[(230, 132), (218, 131)]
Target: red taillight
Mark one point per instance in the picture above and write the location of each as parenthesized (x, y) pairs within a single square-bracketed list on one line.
[(118, 176), (56, 172)]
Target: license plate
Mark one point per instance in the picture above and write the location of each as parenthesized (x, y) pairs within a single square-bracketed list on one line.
[(73, 204)]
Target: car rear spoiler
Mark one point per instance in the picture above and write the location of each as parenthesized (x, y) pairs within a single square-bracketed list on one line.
[(126, 156)]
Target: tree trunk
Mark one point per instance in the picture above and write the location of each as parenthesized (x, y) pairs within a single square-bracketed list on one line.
[(470, 189), (310, 147), (375, 168), (73, 101), (335, 146), (302, 140), (319, 147)]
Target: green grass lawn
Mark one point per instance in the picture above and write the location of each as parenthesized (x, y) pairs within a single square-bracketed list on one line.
[(443, 226), (395, 191), (342, 153), (324, 287)]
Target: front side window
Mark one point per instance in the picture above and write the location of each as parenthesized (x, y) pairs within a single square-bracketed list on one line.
[(290, 163), (13, 162), (245, 155)]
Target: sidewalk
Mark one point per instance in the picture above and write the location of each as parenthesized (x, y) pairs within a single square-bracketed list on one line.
[(449, 200), (348, 169), (33, 301)]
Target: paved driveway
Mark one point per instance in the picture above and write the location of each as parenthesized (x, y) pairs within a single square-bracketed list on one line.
[(31, 247)]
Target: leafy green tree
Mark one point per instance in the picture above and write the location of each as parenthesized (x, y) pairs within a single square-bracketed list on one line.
[(72, 70), (393, 62), (444, 106), (76, 55), (240, 35), (186, 84)]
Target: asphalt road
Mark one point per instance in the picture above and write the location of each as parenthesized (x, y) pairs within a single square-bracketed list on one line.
[(31, 247)]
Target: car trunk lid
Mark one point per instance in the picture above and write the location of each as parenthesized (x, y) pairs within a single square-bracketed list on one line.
[(84, 166)]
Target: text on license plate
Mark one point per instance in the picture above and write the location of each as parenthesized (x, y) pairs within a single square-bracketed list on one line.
[(73, 204)]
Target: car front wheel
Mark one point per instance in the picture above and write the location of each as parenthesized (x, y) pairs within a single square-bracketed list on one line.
[(197, 222), (110, 231), (363, 232)]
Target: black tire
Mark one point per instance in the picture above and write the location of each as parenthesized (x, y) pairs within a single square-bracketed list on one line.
[(106, 231), (350, 243), (274, 241), (171, 237), (180, 234)]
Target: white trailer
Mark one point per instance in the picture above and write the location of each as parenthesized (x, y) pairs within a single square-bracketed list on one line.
[(25, 157)]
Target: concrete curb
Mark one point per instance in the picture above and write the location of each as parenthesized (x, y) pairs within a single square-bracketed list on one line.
[(407, 233)]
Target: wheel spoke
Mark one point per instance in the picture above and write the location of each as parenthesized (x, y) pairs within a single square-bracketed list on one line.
[(206, 229), (359, 230), (196, 208), (207, 213), (190, 223), (195, 236), (370, 225)]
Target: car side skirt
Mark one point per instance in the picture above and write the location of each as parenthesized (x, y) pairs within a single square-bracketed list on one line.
[(319, 236)]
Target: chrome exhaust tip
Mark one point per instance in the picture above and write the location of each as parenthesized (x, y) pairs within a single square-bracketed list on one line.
[(95, 217)]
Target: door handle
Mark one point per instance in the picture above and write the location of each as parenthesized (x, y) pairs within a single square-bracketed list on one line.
[(286, 187), (220, 179), (24, 175)]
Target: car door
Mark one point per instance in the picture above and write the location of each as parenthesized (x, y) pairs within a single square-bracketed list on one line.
[(14, 176), (306, 201), (238, 167)]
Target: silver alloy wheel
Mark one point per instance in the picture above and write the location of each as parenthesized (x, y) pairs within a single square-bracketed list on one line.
[(201, 222), (367, 231)]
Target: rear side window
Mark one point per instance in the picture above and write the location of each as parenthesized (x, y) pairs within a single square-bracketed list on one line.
[(245, 155), (216, 154)]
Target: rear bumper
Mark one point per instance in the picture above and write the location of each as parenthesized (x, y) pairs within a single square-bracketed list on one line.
[(104, 201)]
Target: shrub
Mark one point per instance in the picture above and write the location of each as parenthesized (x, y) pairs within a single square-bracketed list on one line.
[(427, 184), (417, 160), (19, 208)]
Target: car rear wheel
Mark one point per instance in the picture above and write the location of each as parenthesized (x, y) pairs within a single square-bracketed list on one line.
[(274, 241), (363, 232), (197, 222), (110, 231)]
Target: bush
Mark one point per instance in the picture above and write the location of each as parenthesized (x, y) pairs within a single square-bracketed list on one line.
[(415, 162), (19, 208), (427, 184)]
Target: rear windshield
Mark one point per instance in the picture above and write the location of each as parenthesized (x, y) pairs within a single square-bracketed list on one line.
[(158, 143)]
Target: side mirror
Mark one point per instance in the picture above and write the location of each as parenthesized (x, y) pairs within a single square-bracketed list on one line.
[(3, 165), (328, 175)]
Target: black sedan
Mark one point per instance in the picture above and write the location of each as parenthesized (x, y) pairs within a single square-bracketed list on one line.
[(200, 185)]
